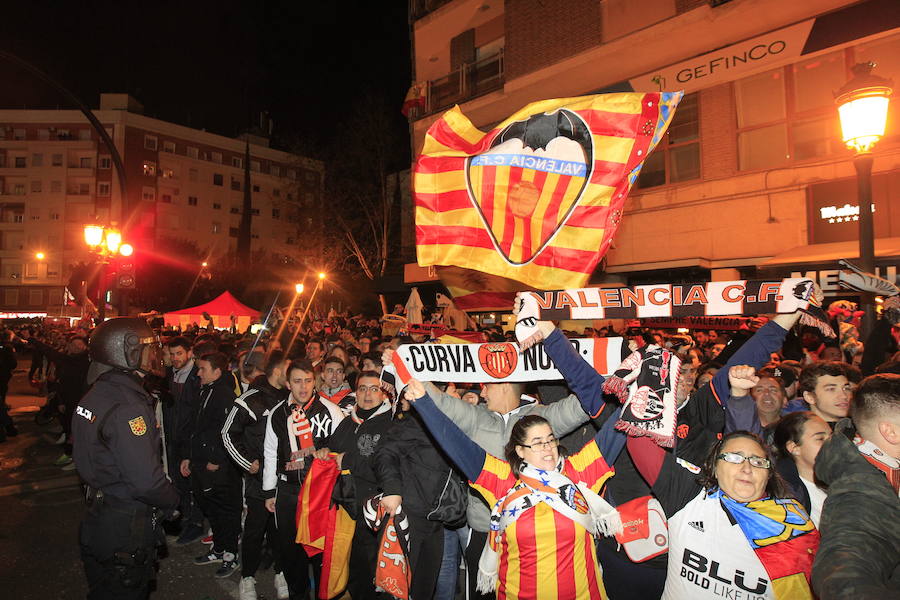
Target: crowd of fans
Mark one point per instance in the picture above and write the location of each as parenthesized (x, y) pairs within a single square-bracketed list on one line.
[(762, 415)]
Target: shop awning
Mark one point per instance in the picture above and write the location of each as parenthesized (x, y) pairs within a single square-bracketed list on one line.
[(823, 253)]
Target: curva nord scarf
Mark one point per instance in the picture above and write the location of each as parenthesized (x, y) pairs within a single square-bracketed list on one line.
[(392, 572), (646, 383), (701, 299), (784, 539), (299, 436), (574, 501)]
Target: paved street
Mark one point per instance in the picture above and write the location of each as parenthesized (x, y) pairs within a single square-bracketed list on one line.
[(40, 508)]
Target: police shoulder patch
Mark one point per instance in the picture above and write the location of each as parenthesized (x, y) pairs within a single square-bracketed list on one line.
[(138, 426)]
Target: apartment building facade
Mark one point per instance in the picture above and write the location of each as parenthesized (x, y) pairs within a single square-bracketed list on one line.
[(57, 175), (752, 178)]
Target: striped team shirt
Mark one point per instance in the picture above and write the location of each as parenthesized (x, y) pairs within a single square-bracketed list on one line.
[(545, 555)]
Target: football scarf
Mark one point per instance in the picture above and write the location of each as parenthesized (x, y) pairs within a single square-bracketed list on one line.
[(325, 528), (783, 538), (573, 501), (496, 361), (384, 407), (888, 465), (646, 383), (299, 436), (392, 573), (709, 298)]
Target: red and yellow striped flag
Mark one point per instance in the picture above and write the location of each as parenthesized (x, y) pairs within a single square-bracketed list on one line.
[(538, 198)]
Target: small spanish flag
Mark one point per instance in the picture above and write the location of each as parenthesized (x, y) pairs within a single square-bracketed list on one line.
[(538, 198), (323, 528)]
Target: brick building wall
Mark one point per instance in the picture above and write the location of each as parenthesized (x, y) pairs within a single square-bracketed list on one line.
[(541, 33), (718, 132)]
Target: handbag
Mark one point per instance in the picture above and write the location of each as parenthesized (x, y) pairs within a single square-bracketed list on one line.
[(450, 506), (645, 529)]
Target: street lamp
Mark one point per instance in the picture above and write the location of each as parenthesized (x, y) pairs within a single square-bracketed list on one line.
[(862, 105), (105, 243), (39, 255)]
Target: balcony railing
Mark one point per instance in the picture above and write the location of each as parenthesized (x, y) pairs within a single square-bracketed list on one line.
[(467, 82)]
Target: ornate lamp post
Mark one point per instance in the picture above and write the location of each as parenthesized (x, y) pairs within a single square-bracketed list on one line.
[(105, 243), (862, 104)]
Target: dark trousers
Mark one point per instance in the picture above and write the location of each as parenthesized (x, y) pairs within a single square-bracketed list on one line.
[(627, 580), (294, 559), (472, 555), (426, 551), (363, 554), (259, 528), (219, 495), (118, 550), (5, 420)]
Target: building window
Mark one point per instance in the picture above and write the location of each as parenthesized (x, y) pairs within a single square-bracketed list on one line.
[(192, 200), (169, 147), (103, 188), (148, 194), (677, 156), (84, 134), (84, 162), (292, 173), (167, 198), (276, 213), (216, 157), (19, 190), (193, 152), (19, 134), (218, 179), (18, 218), (31, 271), (254, 165), (236, 184), (56, 186), (63, 134), (43, 134), (104, 162), (54, 216), (217, 228), (11, 296), (37, 160), (36, 297), (275, 170), (168, 173), (56, 160), (787, 114), (216, 206), (237, 162), (151, 142), (53, 269), (193, 174), (235, 210), (254, 212), (84, 189), (36, 185), (149, 168), (233, 232), (276, 192), (19, 162)]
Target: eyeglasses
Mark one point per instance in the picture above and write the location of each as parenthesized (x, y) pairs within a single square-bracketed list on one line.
[(368, 389), (542, 445), (736, 459)]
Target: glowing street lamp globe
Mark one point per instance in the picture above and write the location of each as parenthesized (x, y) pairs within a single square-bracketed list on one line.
[(93, 235), (298, 288), (113, 240), (321, 275), (126, 250), (863, 107)]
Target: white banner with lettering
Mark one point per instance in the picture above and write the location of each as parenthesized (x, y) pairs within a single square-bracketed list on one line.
[(496, 361)]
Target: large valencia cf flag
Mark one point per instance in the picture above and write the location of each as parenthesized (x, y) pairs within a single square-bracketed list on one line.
[(539, 197)]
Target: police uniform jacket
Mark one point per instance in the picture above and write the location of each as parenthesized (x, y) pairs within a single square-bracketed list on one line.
[(323, 417), (116, 442), (244, 431)]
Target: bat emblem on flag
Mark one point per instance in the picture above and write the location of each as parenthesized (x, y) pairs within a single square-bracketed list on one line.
[(529, 181)]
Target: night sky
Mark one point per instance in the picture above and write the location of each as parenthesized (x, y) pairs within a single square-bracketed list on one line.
[(214, 64)]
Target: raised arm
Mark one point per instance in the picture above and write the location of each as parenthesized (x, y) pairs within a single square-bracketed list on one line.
[(582, 379), (673, 481)]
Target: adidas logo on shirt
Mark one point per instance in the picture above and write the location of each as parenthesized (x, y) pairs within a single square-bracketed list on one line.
[(698, 525)]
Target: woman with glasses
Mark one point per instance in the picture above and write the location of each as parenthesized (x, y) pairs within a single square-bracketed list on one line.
[(545, 507), (733, 533)]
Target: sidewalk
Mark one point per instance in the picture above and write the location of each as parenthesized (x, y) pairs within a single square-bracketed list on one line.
[(41, 507)]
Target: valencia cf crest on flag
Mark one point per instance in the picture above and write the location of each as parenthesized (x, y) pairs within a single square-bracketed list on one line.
[(537, 199)]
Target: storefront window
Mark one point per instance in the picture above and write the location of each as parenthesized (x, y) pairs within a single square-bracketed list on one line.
[(677, 156)]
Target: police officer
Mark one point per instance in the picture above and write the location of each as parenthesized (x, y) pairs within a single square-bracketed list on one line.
[(116, 451)]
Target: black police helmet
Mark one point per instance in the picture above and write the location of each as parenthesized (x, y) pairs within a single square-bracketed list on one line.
[(127, 343)]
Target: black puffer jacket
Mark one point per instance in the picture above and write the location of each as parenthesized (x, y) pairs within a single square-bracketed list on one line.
[(409, 464), (859, 556)]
